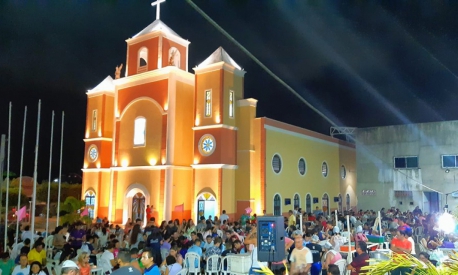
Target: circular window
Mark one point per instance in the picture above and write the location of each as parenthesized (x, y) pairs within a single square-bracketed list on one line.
[(302, 165), (276, 163), (343, 172), (93, 153), (324, 169), (207, 145)]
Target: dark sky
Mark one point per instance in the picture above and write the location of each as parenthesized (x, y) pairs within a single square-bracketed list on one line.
[(362, 63)]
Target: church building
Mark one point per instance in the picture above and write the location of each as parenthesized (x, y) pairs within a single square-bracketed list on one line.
[(190, 144)]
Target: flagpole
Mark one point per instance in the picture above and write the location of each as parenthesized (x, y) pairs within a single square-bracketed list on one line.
[(49, 179), (20, 175), (34, 193), (60, 166), (7, 175)]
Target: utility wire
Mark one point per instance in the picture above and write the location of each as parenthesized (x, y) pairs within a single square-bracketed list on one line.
[(289, 88), (264, 67)]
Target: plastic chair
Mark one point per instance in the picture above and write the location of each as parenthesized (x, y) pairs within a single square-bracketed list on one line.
[(225, 262), (96, 271), (192, 263), (342, 266), (213, 265), (183, 271)]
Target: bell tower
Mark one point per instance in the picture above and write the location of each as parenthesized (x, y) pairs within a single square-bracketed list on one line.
[(219, 84), (155, 47)]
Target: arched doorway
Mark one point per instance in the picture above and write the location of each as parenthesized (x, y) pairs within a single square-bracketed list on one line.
[(347, 201), (297, 201), (325, 204), (137, 196), (277, 205), (206, 206), (340, 204), (308, 203), (138, 207), (89, 197)]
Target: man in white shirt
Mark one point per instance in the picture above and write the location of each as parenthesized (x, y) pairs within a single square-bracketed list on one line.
[(23, 268), (27, 234), (301, 257), (223, 217), (107, 260)]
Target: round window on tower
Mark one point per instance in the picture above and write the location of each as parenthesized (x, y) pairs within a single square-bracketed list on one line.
[(207, 145)]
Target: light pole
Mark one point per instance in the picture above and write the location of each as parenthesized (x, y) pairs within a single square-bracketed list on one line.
[(30, 208)]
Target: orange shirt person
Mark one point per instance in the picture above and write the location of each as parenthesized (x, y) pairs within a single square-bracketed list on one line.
[(400, 244)]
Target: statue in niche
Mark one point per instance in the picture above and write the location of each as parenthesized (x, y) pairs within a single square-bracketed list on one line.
[(172, 58), (118, 71)]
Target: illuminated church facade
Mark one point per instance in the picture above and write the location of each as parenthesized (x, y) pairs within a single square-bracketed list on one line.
[(190, 144)]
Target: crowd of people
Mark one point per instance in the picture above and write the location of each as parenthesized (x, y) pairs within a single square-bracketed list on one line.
[(160, 249)]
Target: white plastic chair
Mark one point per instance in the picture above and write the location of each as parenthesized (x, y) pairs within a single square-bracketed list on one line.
[(213, 265), (342, 266), (96, 271), (225, 261), (183, 271), (192, 263)]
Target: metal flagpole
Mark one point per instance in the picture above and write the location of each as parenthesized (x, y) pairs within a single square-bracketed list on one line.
[(34, 194), (60, 166), (49, 179), (20, 174), (7, 176), (2, 161)]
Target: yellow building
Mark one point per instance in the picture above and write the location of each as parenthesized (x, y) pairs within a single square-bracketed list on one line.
[(191, 145)]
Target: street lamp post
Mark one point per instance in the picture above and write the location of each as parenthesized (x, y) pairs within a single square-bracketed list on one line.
[(30, 209)]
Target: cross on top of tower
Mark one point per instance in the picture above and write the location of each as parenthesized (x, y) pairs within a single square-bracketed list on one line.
[(158, 9)]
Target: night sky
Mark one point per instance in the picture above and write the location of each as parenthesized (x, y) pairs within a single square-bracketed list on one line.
[(362, 63)]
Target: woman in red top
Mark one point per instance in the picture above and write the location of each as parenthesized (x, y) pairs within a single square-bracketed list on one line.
[(401, 245)]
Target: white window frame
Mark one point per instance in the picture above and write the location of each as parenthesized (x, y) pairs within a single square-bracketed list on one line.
[(405, 157), (94, 120), (231, 104), (272, 164), (327, 169), (298, 167), (208, 103), (456, 162), (137, 139), (273, 201)]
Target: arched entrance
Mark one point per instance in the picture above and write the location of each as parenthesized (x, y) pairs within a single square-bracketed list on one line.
[(206, 205), (89, 197), (137, 196), (308, 204), (325, 204), (340, 203), (347, 201)]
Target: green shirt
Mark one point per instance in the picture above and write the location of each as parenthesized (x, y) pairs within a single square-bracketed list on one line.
[(7, 267)]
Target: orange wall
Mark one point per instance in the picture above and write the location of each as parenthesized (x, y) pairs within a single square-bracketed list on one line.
[(140, 155), (156, 90), (225, 151), (184, 107), (133, 55), (206, 81)]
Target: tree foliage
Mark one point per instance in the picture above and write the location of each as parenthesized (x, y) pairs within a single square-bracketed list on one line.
[(66, 190), (13, 197), (70, 209)]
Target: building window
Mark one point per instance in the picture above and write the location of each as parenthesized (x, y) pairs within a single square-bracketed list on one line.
[(406, 162), (94, 120), (139, 131), (340, 204), (302, 166), (308, 203), (343, 172), (325, 204), (449, 161), (90, 203), (324, 169), (277, 205), (347, 201), (143, 57), (208, 103), (231, 104), (297, 201), (276, 164), (174, 57)]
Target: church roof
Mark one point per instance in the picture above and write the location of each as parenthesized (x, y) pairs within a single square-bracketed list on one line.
[(217, 56), (106, 85), (156, 26)]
